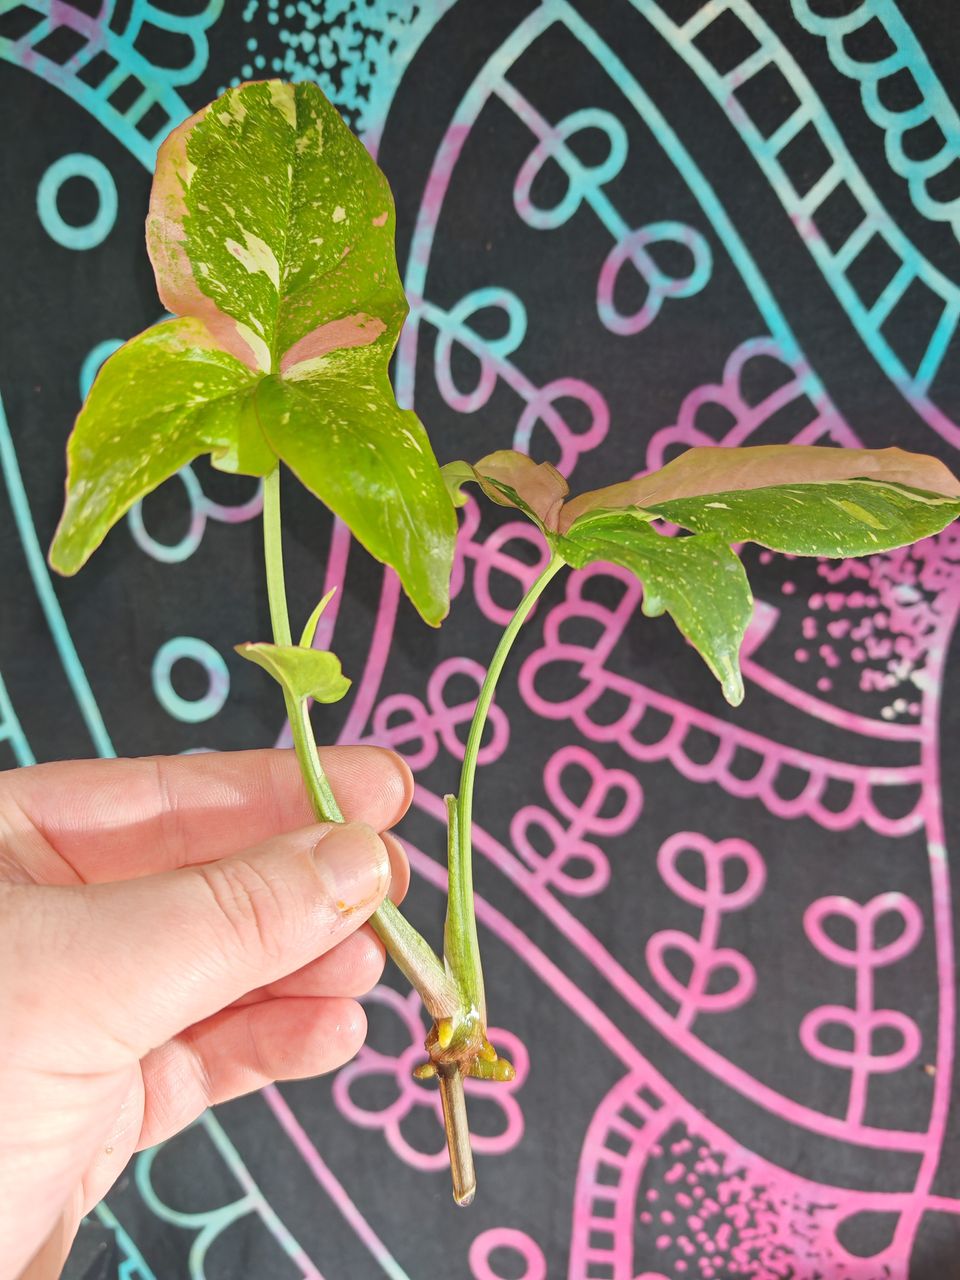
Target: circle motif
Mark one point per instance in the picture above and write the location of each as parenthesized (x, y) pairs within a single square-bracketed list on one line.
[(77, 165), (95, 357), (190, 710), (506, 1238)]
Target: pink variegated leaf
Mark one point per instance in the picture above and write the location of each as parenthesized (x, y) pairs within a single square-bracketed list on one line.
[(271, 232)]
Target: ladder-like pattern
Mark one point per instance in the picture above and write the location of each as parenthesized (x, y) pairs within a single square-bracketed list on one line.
[(95, 61), (767, 83), (628, 1123)]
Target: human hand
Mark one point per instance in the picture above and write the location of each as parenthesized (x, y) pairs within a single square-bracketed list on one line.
[(172, 934)]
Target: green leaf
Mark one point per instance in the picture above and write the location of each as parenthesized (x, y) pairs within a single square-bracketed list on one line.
[(697, 579), (370, 462), (303, 673), (271, 233), (165, 397), (270, 222), (804, 499), (854, 518)]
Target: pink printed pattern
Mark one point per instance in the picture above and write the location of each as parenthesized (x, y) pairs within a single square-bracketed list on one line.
[(657, 1177), (714, 900), (567, 845), (863, 1021), (396, 1117), (650, 726), (663, 1191), (518, 1246), (417, 729)]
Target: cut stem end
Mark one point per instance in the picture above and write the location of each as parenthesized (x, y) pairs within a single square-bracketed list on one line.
[(454, 1103)]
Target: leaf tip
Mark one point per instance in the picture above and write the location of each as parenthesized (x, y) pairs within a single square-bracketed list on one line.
[(65, 559), (732, 683)]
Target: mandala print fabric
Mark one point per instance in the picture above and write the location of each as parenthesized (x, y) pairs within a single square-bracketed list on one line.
[(719, 943)]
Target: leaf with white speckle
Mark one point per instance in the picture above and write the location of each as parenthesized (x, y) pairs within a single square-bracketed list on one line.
[(697, 579), (165, 397), (713, 473), (271, 233), (376, 471), (267, 223), (849, 518)]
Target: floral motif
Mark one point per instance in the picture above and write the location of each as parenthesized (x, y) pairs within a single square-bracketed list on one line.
[(395, 1117)]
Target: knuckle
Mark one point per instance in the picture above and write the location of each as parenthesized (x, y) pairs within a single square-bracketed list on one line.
[(255, 906)]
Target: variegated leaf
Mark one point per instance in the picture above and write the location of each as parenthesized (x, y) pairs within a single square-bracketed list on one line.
[(166, 396), (696, 578), (713, 470), (269, 221), (337, 428), (849, 518), (271, 232), (511, 479)]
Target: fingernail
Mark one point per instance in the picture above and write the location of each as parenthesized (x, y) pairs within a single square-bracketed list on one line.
[(354, 864)]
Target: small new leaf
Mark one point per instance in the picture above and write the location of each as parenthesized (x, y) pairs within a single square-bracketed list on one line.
[(310, 626), (302, 673)]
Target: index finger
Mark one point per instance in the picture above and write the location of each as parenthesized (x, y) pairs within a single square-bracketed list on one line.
[(116, 819)]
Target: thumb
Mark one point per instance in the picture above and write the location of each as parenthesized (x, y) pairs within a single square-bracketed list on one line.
[(151, 956)]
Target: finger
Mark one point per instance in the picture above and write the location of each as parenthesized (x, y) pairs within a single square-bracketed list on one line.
[(352, 968), (152, 956), (240, 1050), (355, 965), (116, 819), (399, 867)]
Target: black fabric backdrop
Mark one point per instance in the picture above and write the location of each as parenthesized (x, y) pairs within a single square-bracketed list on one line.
[(749, 232)]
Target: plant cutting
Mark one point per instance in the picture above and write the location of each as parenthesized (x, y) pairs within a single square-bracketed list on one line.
[(271, 234)]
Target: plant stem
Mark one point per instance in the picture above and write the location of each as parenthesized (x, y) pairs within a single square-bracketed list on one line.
[(454, 1104), (416, 960), (273, 558), (412, 953), (461, 946), (321, 796)]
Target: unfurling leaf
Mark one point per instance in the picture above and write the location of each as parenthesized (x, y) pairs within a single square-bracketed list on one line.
[(271, 233), (512, 479), (697, 579), (303, 673), (310, 626)]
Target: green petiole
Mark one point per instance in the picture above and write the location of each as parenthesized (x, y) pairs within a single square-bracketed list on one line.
[(461, 947), (411, 952), (452, 990)]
